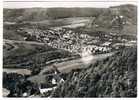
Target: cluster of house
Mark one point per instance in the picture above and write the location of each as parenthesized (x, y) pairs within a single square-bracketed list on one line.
[(25, 88), (72, 41), (93, 49), (55, 80)]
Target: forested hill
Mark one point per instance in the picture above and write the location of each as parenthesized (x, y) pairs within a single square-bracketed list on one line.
[(113, 77), (39, 14)]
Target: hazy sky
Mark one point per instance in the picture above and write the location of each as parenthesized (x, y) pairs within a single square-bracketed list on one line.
[(29, 4)]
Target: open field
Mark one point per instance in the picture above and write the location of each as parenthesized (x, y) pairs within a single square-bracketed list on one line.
[(25, 54), (63, 22)]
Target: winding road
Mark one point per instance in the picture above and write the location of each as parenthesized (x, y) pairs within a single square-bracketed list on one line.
[(78, 63), (67, 66), (64, 67), (26, 42)]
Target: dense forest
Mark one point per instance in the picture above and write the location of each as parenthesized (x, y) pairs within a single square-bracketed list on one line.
[(115, 76)]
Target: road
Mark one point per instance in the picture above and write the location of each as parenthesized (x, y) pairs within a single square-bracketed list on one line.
[(78, 63), (67, 66), (17, 70), (14, 44), (26, 42)]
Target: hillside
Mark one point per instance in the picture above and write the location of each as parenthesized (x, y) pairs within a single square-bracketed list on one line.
[(115, 76), (24, 54), (100, 19), (38, 14)]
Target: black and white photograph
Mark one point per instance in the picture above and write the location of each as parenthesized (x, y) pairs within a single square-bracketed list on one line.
[(69, 49)]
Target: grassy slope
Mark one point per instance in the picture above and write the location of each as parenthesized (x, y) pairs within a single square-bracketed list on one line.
[(29, 55)]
